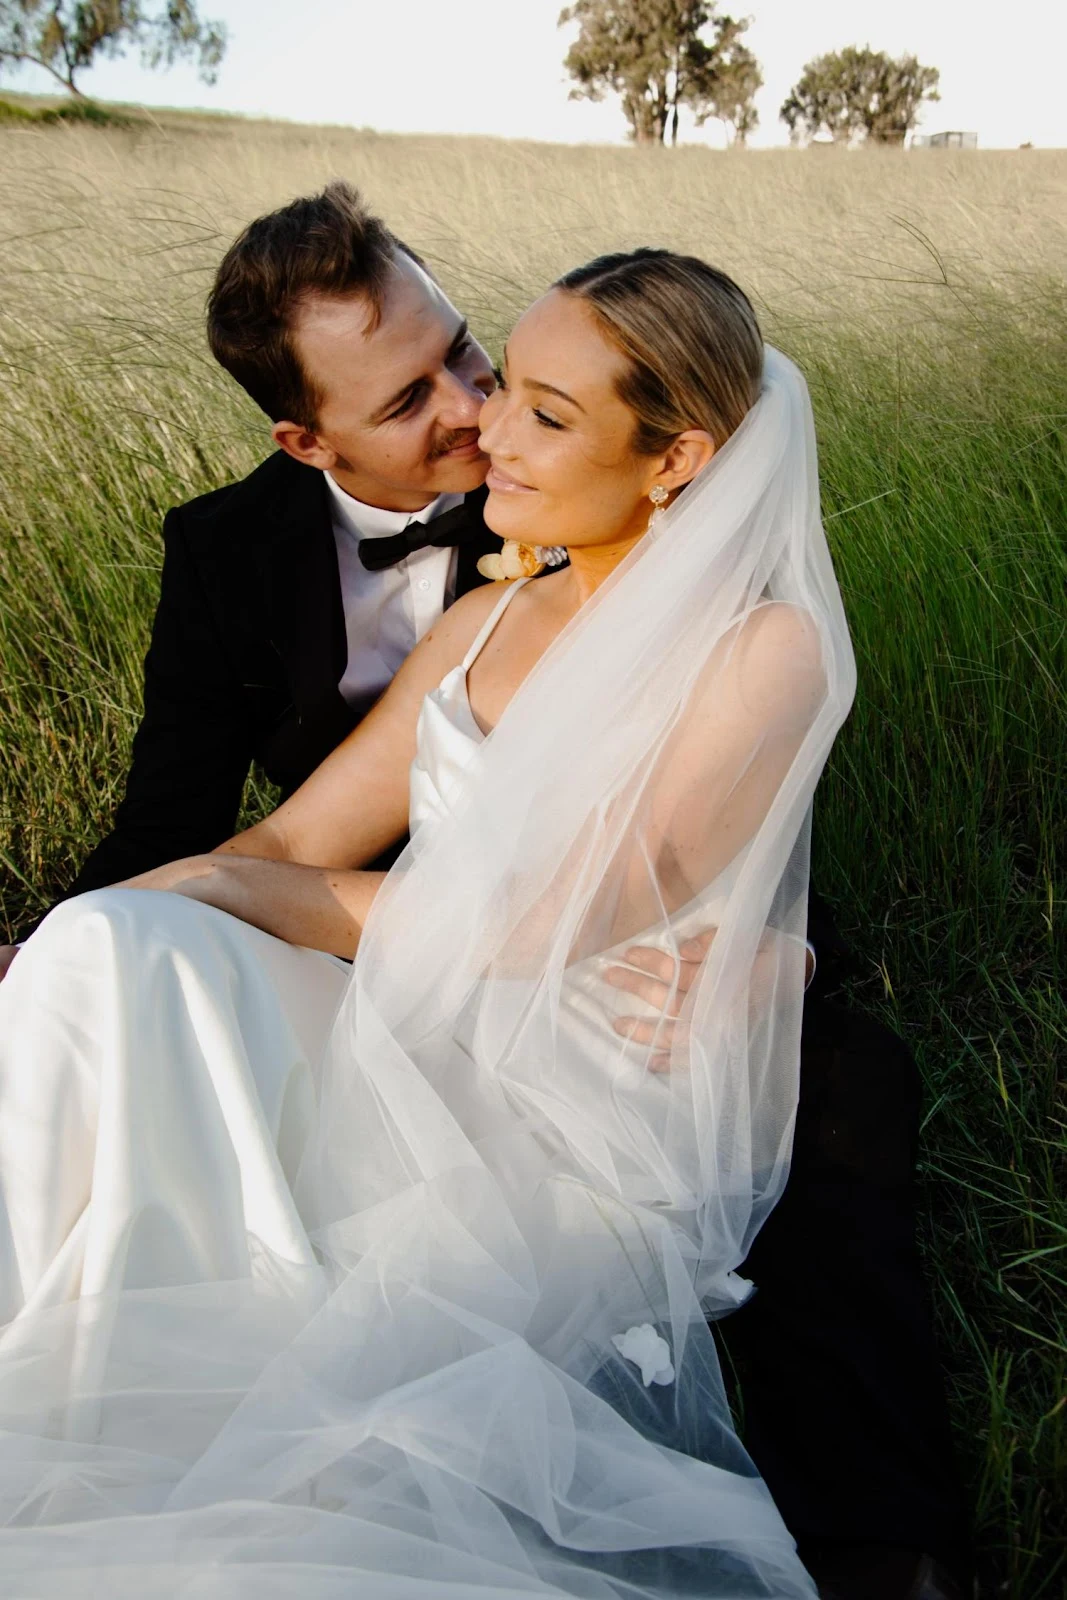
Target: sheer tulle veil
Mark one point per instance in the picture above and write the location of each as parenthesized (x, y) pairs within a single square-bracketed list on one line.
[(497, 1378)]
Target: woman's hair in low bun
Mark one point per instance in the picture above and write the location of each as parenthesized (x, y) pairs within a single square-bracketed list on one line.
[(691, 337)]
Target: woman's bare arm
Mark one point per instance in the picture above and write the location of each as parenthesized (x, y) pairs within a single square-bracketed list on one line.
[(355, 805), (324, 908), (296, 875)]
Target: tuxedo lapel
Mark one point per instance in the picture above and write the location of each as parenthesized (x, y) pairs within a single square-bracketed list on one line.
[(482, 543), (303, 587), (298, 561)]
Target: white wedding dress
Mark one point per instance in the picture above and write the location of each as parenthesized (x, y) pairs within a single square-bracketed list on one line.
[(160, 1067), (391, 1280), (159, 1070)]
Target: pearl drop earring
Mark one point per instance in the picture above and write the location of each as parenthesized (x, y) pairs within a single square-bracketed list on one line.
[(659, 496)]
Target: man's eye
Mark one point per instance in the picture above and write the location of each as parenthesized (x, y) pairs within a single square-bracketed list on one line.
[(407, 403), (461, 350)]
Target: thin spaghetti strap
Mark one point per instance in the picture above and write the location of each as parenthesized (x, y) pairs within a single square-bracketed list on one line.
[(491, 621)]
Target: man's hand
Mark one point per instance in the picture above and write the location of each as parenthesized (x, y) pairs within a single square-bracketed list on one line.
[(664, 983), (8, 952)]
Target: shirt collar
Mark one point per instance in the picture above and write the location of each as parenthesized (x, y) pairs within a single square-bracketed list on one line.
[(361, 521)]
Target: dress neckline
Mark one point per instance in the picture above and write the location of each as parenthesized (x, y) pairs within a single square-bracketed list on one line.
[(481, 639)]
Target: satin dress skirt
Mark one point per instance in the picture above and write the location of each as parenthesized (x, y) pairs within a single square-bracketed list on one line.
[(158, 1063)]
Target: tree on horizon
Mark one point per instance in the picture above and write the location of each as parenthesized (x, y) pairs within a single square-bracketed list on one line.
[(658, 56), (64, 37), (859, 92)]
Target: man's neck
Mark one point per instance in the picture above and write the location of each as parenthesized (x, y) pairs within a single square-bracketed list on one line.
[(379, 497), (362, 521)]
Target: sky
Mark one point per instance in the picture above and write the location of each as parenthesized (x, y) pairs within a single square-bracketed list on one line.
[(496, 66)]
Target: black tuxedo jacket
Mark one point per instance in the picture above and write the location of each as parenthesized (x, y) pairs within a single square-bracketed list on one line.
[(248, 648)]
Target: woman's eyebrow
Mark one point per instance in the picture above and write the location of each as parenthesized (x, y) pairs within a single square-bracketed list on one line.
[(545, 388), (550, 388)]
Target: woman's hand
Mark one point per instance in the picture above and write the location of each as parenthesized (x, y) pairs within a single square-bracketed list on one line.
[(664, 983)]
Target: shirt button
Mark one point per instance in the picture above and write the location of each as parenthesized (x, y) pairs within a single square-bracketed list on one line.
[(424, 583)]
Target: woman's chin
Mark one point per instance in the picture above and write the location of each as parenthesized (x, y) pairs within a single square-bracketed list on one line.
[(501, 516)]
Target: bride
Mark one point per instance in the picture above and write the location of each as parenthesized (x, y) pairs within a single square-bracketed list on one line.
[(392, 1279)]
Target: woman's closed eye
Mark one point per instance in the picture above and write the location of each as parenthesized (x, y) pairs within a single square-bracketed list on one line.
[(543, 418)]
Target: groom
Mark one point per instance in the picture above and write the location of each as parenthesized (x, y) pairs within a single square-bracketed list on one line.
[(287, 603)]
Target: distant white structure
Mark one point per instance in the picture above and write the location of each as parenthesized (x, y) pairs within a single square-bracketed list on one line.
[(944, 141)]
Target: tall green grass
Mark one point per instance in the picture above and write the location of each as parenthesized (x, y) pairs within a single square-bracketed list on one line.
[(924, 300), (941, 835)]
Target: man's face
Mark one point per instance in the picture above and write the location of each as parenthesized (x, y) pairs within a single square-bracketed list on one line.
[(398, 424)]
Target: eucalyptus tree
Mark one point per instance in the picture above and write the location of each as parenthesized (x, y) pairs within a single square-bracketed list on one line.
[(65, 37), (659, 56), (855, 93)]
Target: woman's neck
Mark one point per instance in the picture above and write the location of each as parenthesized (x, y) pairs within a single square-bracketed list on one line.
[(591, 564)]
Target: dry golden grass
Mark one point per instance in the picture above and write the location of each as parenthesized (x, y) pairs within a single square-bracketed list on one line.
[(812, 235)]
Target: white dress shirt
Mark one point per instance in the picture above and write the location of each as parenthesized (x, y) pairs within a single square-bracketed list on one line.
[(386, 613)]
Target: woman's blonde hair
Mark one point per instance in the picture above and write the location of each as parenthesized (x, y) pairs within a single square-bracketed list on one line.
[(690, 335)]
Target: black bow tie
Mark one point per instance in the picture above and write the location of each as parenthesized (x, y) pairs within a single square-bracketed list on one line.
[(451, 527)]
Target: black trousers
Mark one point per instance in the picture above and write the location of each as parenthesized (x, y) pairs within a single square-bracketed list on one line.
[(841, 1398)]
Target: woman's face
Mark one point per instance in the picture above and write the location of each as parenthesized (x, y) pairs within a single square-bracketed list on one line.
[(559, 438)]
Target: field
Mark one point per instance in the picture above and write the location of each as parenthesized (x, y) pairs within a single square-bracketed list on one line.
[(924, 296)]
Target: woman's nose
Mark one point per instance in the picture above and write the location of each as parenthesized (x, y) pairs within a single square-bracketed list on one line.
[(492, 433)]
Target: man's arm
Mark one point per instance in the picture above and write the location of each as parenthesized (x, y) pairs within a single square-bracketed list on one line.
[(193, 748)]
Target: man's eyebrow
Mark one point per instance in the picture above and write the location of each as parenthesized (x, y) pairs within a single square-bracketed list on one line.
[(462, 335), (547, 388)]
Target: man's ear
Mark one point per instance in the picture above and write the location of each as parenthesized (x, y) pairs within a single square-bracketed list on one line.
[(303, 446)]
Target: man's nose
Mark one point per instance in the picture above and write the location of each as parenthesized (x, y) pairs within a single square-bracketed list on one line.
[(461, 402)]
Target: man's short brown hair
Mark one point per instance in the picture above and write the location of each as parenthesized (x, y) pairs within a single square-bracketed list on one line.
[(323, 244)]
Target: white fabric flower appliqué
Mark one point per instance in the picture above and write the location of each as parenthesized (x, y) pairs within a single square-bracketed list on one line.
[(643, 1346)]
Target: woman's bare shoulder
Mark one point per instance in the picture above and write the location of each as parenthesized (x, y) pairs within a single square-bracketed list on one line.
[(448, 641), (463, 619), (767, 666), (775, 661)]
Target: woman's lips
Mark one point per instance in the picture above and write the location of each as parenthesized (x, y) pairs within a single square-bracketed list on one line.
[(501, 483)]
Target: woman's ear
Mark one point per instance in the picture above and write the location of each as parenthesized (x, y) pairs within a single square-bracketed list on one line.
[(690, 452), (303, 446)]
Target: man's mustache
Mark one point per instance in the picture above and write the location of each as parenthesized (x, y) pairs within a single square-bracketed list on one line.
[(449, 441)]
